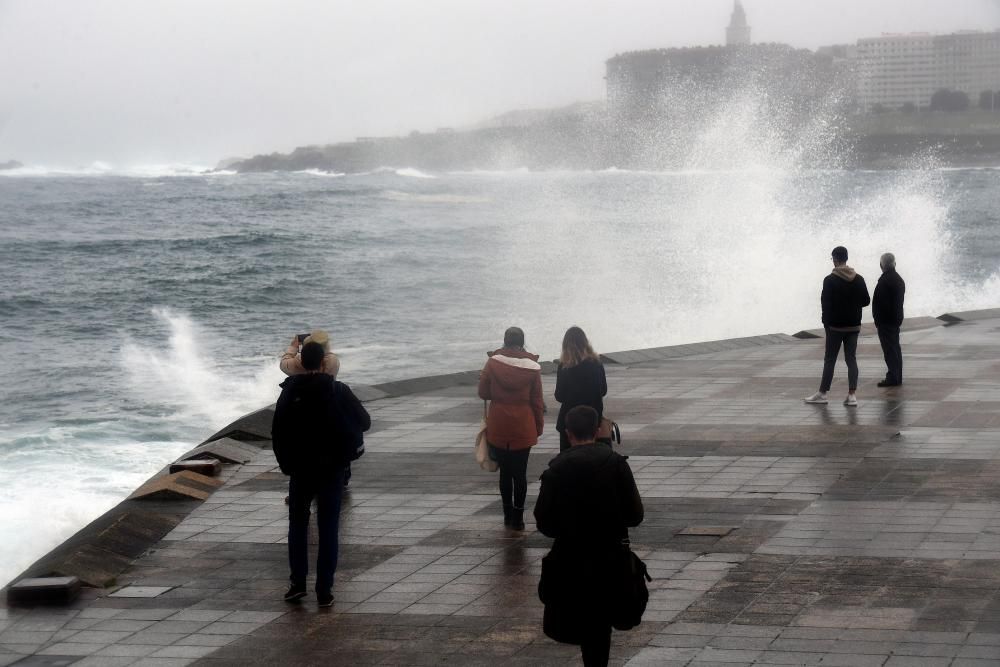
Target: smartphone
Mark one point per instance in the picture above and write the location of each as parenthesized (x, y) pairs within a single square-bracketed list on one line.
[(302, 337)]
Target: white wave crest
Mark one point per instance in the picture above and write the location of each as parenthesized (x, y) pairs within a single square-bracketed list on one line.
[(182, 378), (320, 172), (441, 198), (100, 168)]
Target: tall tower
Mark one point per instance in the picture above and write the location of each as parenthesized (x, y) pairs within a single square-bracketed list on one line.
[(738, 32)]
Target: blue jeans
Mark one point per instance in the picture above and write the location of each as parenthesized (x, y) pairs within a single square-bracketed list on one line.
[(328, 492), (834, 339)]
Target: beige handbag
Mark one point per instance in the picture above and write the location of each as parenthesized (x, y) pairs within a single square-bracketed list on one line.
[(483, 457)]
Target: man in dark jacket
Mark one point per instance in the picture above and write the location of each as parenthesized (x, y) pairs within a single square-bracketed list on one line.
[(587, 502), (887, 309), (315, 433), (844, 295)]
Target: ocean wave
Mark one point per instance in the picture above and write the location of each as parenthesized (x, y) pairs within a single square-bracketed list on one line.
[(407, 172), (100, 168), (320, 172), (441, 198)]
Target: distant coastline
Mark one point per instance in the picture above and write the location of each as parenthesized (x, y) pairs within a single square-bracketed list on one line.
[(583, 137)]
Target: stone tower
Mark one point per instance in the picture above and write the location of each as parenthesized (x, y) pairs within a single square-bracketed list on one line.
[(738, 32)]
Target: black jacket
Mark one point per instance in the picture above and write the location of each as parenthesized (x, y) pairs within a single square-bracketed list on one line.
[(844, 295), (583, 384), (588, 500), (887, 302), (317, 425)]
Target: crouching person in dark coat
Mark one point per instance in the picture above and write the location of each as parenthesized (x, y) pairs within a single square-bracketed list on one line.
[(316, 432), (587, 502)]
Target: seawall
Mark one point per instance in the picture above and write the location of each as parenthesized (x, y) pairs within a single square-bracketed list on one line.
[(100, 551)]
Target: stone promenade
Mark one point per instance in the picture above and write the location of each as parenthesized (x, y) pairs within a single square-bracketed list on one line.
[(777, 533)]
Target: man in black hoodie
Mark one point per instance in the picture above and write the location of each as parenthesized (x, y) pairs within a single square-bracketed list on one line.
[(887, 309), (315, 434), (844, 295)]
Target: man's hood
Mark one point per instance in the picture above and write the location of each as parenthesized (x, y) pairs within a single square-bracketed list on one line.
[(845, 273)]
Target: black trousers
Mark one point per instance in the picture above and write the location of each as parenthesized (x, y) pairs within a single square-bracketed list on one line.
[(834, 339), (596, 650), (893, 354), (513, 475)]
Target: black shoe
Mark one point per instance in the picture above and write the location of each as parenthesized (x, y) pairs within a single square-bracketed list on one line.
[(295, 593), (324, 599), (886, 383), (516, 519), (507, 510)]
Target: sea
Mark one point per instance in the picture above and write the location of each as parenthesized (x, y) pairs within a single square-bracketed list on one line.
[(143, 308)]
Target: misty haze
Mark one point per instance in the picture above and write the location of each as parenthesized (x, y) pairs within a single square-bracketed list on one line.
[(187, 186)]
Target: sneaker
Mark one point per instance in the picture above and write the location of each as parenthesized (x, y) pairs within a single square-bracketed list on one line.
[(819, 397), (324, 599), (887, 383), (851, 401), (295, 593)]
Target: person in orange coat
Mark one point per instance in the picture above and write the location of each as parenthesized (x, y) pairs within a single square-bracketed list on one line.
[(512, 382)]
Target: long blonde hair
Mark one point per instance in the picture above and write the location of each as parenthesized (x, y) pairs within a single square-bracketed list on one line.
[(576, 348)]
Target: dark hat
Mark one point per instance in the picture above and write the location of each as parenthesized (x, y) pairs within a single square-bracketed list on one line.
[(839, 253)]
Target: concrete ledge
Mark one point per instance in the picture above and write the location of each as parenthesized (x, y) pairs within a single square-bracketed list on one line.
[(224, 449), (100, 551), (254, 427), (691, 349), (44, 590), (179, 485), (868, 328), (970, 315)]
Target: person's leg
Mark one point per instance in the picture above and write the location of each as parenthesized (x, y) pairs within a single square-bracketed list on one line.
[(563, 442), (328, 499), (897, 357), (300, 495), (596, 650), (851, 357), (506, 483), (833, 341), (519, 478), (885, 340)]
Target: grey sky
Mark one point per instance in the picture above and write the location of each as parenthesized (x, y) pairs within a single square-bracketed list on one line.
[(154, 81)]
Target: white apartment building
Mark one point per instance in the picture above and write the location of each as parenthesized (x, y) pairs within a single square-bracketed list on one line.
[(893, 70)]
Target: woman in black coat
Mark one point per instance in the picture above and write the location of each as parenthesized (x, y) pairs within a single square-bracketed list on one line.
[(580, 379), (587, 502)]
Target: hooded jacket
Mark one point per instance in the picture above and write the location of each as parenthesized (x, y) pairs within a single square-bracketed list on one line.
[(317, 425), (844, 295), (887, 302), (587, 501), (582, 384), (512, 381)]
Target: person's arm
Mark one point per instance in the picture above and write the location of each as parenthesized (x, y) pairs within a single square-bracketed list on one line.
[(560, 385), (864, 289), (546, 516), (604, 379), (628, 493), (290, 363), (537, 404), (824, 302), (898, 302), (358, 408), (485, 390), (331, 364)]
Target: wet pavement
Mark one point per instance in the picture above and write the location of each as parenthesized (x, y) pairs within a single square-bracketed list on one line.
[(777, 533)]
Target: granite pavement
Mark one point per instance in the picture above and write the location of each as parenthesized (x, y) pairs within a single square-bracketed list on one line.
[(777, 533)]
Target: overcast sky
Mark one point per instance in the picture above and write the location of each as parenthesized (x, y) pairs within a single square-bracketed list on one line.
[(153, 81)]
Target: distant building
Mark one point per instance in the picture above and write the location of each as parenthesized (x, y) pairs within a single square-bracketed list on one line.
[(653, 84), (738, 32), (898, 70)]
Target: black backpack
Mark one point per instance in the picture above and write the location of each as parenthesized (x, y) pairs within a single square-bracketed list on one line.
[(314, 427)]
